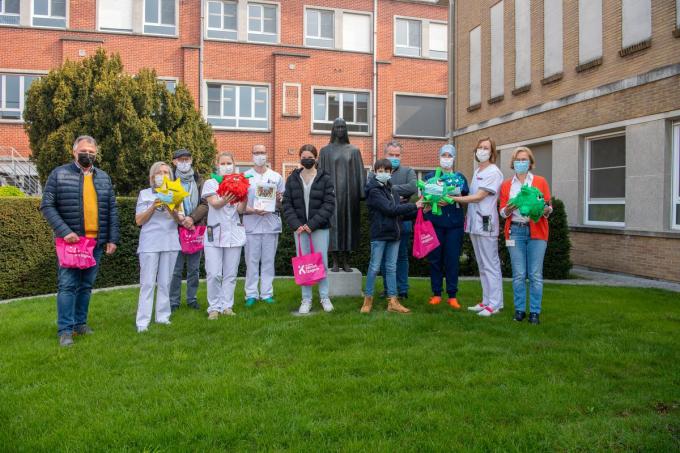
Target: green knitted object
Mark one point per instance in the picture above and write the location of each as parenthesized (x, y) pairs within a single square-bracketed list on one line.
[(529, 202), (437, 189)]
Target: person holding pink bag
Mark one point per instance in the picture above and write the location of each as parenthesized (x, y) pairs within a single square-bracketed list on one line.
[(308, 204)]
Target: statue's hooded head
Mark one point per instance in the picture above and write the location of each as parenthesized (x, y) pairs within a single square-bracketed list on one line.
[(339, 132)]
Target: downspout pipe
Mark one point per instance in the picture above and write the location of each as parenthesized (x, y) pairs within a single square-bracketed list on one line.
[(451, 99), (374, 98), (200, 59)]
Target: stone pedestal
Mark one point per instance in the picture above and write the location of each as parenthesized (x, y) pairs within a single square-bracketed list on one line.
[(345, 284)]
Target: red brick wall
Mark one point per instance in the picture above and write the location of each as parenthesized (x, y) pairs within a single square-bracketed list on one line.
[(35, 49)]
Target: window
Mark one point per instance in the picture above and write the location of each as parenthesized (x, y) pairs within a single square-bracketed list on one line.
[(606, 180), (222, 20), (356, 32), (350, 106), (49, 13), (292, 102), (522, 43), (636, 22), (159, 17), (238, 106), (552, 37), (13, 89), (9, 12), (170, 84), (589, 30), (420, 116), (115, 15), (438, 41), (476, 66), (320, 31), (675, 222), (407, 37), (262, 22), (497, 65)]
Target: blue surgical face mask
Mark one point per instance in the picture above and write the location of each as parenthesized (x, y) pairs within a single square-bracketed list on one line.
[(395, 161), (383, 177), (521, 166)]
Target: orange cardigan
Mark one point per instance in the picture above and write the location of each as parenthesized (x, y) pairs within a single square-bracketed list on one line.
[(537, 230)]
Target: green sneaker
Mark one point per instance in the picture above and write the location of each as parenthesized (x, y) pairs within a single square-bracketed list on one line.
[(250, 301), (269, 300)]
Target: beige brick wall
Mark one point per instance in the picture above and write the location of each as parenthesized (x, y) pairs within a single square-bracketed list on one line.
[(654, 257)]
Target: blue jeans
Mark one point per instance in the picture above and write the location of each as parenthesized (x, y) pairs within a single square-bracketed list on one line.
[(73, 296), (402, 258), (445, 259), (390, 249), (320, 239), (527, 261), (193, 265)]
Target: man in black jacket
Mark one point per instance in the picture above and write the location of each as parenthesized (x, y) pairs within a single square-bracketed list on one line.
[(79, 200)]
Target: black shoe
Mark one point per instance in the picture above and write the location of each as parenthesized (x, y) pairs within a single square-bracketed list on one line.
[(194, 306), (403, 296), (533, 318), (519, 316), (174, 308)]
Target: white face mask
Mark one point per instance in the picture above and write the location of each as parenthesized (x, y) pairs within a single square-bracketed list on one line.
[(226, 169), (446, 162), (184, 166), (483, 154), (259, 160), (158, 180)]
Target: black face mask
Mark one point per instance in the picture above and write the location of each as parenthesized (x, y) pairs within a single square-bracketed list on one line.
[(308, 162), (85, 160)]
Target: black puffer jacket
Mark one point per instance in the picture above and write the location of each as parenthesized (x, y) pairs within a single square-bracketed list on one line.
[(321, 201), (385, 211), (62, 203)]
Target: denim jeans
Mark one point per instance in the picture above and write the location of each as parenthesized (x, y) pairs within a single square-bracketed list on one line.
[(527, 262), (389, 249), (193, 265), (402, 258), (320, 239), (73, 296)]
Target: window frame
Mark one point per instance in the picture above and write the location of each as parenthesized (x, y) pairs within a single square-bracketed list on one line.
[(6, 14), (175, 25), (601, 201), (113, 30), (49, 15), (416, 95), (306, 27), (429, 50), (207, 20), (262, 4), (165, 80), (237, 99), (420, 46), (675, 174), (424, 53), (342, 91), (22, 91)]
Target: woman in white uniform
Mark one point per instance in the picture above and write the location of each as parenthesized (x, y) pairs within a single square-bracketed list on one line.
[(262, 230), (481, 223), (157, 250), (223, 241)]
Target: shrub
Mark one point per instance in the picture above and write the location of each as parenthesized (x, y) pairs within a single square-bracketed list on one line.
[(11, 191)]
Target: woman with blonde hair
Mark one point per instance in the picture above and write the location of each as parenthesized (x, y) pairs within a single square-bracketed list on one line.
[(224, 238), (525, 239), (157, 250)]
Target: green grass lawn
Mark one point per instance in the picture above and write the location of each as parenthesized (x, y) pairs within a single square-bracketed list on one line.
[(602, 372)]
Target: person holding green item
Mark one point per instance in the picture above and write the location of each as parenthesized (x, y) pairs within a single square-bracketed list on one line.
[(525, 238)]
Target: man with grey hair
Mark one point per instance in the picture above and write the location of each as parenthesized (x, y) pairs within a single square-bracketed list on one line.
[(78, 200), (404, 184)]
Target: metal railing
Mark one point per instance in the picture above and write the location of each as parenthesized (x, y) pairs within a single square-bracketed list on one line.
[(17, 170)]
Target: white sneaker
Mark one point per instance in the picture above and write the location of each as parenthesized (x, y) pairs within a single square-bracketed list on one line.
[(142, 329), (327, 305), (213, 315), (305, 307), (487, 311), (477, 308), (228, 312)]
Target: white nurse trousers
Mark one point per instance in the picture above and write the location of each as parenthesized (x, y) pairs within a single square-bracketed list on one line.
[(260, 257), (221, 267), (489, 264), (155, 272)]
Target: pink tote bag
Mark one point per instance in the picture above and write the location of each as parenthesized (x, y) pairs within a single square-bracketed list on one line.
[(191, 241), (424, 237), (79, 255), (308, 269)]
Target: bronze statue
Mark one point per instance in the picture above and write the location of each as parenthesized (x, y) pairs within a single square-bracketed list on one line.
[(343, 162)]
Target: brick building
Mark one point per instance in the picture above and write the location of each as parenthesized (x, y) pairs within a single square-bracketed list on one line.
[(261, 71), (593, 87)]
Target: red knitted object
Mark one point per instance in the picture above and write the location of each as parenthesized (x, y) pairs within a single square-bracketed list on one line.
[(235, 184)]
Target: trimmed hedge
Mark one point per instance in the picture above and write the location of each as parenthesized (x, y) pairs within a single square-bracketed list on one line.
[(29, 264)]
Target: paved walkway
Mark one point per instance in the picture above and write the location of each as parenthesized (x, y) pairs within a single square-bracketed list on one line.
[(585, 277)]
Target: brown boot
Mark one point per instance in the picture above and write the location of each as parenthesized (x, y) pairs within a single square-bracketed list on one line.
[(394, 306), (368, 304)]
